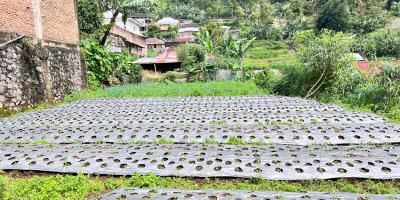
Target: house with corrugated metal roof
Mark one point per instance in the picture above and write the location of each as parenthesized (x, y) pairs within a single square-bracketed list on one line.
[(166, 61)]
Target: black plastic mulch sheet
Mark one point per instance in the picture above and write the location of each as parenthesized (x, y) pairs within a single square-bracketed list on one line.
[(275, 162), (199, 119), (168, 194), (377, 133)]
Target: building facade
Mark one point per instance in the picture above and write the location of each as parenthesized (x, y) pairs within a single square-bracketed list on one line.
[(40, 58), (125, 41)]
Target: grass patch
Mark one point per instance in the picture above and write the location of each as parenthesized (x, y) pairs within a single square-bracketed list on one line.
[(268, 54), (6, 113), (224, 88), (236, 141), (233, 88), (163, 141), (87, 187)]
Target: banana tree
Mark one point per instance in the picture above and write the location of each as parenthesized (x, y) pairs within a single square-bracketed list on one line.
[(239, 48), (204, 37)]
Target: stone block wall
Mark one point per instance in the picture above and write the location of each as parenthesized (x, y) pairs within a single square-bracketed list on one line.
[(31, 72)]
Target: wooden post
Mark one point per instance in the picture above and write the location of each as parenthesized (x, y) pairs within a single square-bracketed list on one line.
[(155, 68)]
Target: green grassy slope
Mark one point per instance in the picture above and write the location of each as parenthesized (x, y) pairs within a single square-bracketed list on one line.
[(266, 54)]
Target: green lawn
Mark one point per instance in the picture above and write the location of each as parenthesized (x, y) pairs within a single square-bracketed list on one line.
[(171, 90), (85, 187), (268, 54)]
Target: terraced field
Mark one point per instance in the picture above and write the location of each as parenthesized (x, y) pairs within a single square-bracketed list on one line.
[(263, 137)]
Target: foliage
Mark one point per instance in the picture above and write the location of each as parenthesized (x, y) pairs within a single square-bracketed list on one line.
[(86, 187), (395, 8), (169, 77), (294, 19), (238, 48), (334, 15), (184, 11), (326, 66), (387, 43), (205, 38), (108, 68), (358, 17), (193, 57), (261, 21), (295, 81), (154, 31), (52, 187), (381, 92), (382, 43), (2, 185), (373, 18), (222, 62), (171, 34), (90, 15), (323, 56), (266, 79)]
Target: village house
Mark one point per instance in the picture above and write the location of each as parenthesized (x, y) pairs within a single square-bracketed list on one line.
[(166, 61), (132, 25), (142, 18), (52, 67), (126, 36), (189, 32), (125, 41), (173, 44), (154, 44), (166, 22)]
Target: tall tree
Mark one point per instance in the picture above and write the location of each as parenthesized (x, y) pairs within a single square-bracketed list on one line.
[(90, 15), (334, 15)]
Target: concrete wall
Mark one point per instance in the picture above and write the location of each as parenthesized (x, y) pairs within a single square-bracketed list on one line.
[(31, 72)]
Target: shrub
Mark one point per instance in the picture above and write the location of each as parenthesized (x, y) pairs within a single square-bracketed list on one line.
[(380, 92), (266, 79), (296, 81), (222, 62), (383, 43), (193, 58), (388, 43), (324, 56), (109, 68), (169, 77)]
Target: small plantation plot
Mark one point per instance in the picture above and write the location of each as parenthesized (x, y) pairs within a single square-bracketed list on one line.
[(256, 119), (166, 194), (280, 162), (217, 132)]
